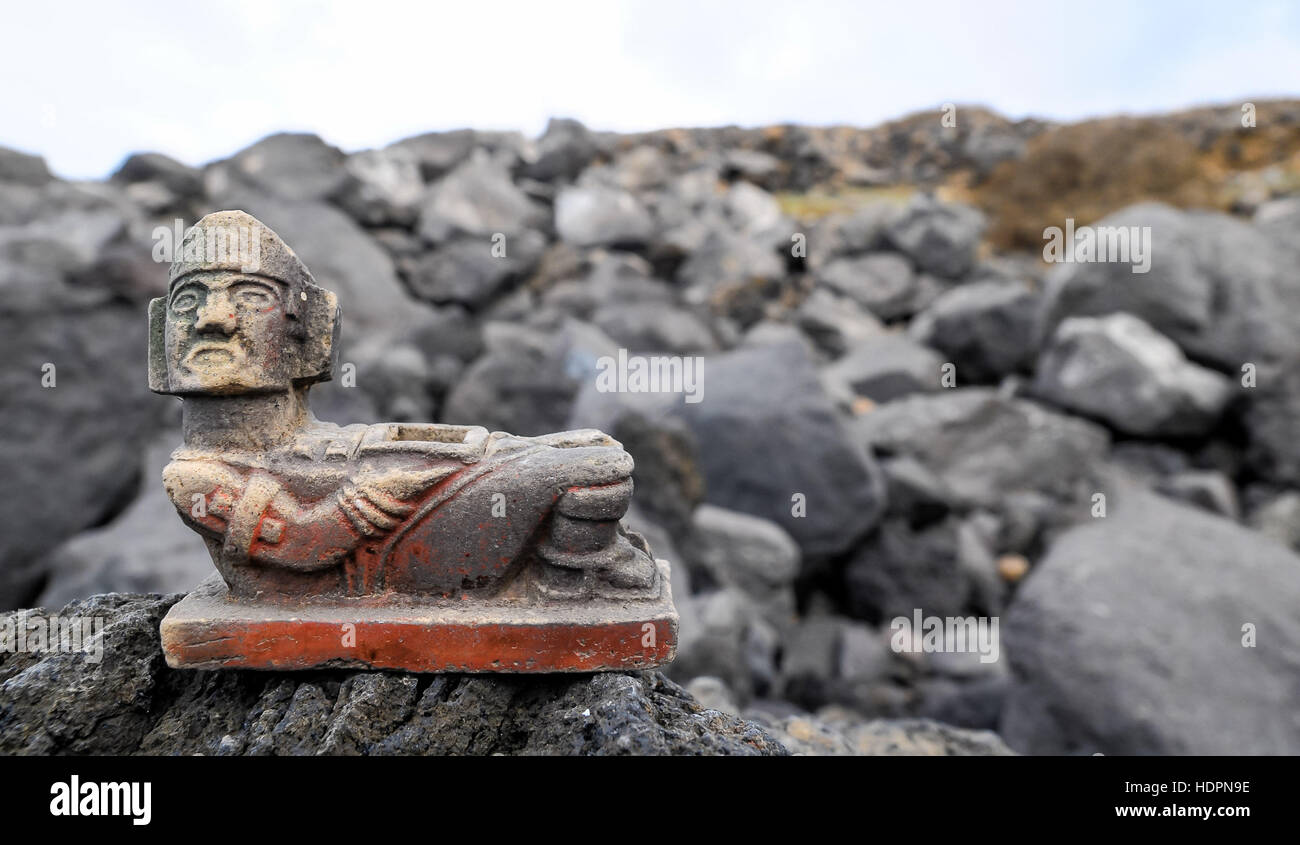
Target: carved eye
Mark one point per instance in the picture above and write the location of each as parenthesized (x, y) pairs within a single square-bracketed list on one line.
[(253, 297), (186, 300)]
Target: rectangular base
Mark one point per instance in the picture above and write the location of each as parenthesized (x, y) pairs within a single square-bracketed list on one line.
[(209, 629)]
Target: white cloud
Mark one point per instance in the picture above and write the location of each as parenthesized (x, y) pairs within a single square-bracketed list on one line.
[(201, 82)]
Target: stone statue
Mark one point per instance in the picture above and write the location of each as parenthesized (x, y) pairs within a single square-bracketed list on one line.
[(422, 547)]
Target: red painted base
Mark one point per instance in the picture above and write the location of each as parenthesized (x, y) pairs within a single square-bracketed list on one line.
[(210, 630)]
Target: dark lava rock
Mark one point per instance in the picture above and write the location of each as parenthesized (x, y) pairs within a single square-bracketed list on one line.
[(772, 444), (1120, 370), (131, 703), (1221, 288), (985, 328), (1130, 638), (940, 238)]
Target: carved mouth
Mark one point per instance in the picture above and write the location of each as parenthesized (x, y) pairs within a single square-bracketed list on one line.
[(212, 355)]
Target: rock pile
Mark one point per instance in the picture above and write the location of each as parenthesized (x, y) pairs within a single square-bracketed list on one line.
[(890, 418)]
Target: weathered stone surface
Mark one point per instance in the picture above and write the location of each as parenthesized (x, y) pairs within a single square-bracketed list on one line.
[(145, 549), (854, 233), (884, 283), (944, 569), (1272, 421), (767, 434), (131, 703), (655, 328), (436, 153), (47, 497), (526, 379), (985, 328), (986, 447), (887, 366), (1218, 287), (1128, 638), (477, 198), (384, 187), (563, 151), (724, 634), (1120, 370), (159, 183), (739, 550), (1279, 519), (835, 323), (295, 166), (731, 273), (1206, 489), (601, 216), (471, 270), (940, 238)]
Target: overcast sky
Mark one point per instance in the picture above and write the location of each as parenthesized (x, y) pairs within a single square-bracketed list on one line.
[(87, 84)]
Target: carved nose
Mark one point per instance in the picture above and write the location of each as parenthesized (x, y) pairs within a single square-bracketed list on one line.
[(216, 315)]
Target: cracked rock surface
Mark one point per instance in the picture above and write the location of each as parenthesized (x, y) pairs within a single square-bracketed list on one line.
[(130, 702)]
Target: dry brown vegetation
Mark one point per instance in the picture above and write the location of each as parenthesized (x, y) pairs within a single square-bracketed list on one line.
[(1198, 159)]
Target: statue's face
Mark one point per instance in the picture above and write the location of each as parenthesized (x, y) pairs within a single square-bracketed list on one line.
[(227, 333)]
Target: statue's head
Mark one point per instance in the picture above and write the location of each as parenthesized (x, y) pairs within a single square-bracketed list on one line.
[(241, 315)]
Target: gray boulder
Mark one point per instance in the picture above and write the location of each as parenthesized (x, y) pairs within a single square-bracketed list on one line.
[(853, 233), (526, 381), (296, 166), (1219, 287), (723, 634), (881, 282), (470, 270), (887, 366), (129, 702), (477, 198), (1279, 518), (384, 188), (739, 550), (834, 323), (940, 238), (160, 183), (67, 467), (597, 215), (565, 148), (655, 327), (145, 549), (733, 274), (1128, 638), (985, 446), (755, 166), (944, 569), (437, 153), (1207, 489), (1272, 421), (1118, 369), (772, 444), (985, 328)]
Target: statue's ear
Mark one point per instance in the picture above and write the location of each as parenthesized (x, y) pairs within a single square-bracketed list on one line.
[(158, 345), (320, 316)]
